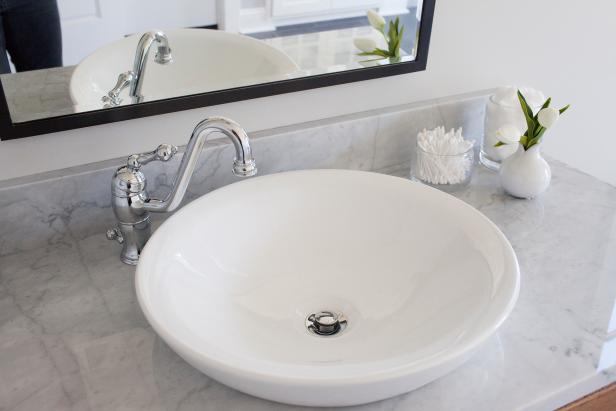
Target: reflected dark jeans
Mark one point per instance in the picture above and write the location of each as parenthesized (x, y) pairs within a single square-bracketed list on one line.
[(30, 32)]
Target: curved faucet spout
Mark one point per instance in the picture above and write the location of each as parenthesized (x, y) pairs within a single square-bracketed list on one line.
[(130, 201), (243, 166), (163, 56)]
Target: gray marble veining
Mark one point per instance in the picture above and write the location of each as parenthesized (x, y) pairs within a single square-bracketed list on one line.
[(37, 94), (72, 336), (39, 212)]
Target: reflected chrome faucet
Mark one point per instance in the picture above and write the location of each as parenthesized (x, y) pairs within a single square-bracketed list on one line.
[(134, 78), (132, 205)]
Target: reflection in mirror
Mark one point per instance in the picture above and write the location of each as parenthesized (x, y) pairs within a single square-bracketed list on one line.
[(72, 56)]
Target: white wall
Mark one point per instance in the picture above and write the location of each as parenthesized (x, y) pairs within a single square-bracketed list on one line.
[(562, 47)]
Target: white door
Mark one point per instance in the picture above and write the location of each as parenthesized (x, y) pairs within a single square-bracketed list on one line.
[(84, 27)]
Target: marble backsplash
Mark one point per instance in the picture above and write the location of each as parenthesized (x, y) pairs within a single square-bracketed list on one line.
[(76, 202)]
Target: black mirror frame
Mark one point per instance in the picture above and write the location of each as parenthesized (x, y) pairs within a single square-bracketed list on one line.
[(10, 130)]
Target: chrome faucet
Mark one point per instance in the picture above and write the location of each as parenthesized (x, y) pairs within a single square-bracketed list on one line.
[(132, 205), (113, 99), (134, 78)]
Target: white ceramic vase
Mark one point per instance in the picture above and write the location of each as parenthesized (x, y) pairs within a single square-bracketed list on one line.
[(525, 174)]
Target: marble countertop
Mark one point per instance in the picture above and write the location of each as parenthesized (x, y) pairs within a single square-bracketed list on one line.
[(72, 335), (37, 94)]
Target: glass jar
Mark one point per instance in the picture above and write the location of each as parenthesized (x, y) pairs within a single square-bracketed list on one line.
[(447, 172), (498, 115)]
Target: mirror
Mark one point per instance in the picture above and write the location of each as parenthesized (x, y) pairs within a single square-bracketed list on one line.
[(63, 58)]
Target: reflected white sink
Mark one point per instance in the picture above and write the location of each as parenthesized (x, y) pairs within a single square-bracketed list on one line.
[(204, 60), (422, 279)]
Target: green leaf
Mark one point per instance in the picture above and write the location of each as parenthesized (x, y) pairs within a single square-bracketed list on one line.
[(375, 52), (524, 140), (537, 138), (397, 24), (391, 36), (528, 114), (562, 110), (382, 52), (545, 105), (399, 42), (500, 143)]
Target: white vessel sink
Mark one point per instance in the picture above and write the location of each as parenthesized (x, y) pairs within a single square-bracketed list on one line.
[(204, 60), (421, 278)]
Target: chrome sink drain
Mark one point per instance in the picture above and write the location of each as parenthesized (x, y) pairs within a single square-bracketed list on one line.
[(326, 323)]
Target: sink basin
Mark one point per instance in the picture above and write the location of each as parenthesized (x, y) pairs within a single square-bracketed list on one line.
[(204, 60), (421, 279)]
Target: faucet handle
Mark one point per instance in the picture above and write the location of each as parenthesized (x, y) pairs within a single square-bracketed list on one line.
[(164, 152), (115, 234), (112, 99)]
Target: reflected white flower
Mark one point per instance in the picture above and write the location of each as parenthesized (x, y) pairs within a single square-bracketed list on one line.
[(509, 134), (548, 116), (376, 20), (508, 96), (534, 97), (365, 44)]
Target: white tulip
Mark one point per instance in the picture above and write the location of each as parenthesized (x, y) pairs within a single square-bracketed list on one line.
[(509, 134), (376, 20), (365, 44), (548, 116), (506, 96)]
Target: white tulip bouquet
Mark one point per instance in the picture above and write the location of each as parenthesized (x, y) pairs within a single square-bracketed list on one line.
[(537, 124), (393, 37)]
